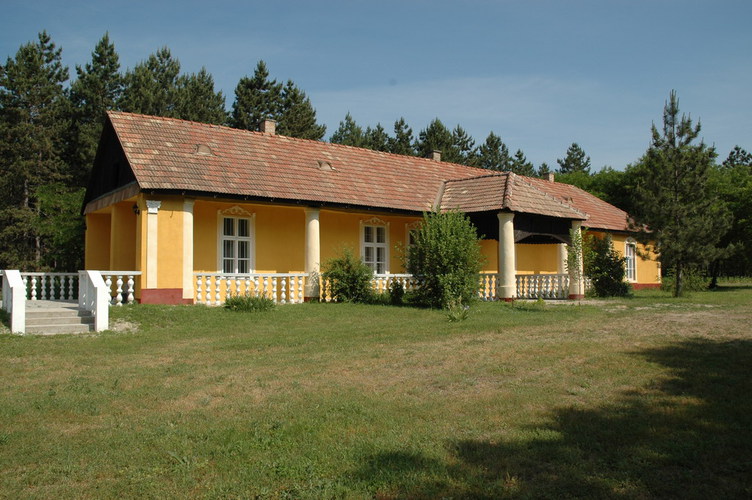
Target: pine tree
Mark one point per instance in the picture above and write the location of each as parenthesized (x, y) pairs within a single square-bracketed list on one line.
[(493, 154), (575, 161), (674, 210), (96, 91), (376, 138), (520, 165), (543, 170), (33, 120), (349, 133), (738, 156), (196, 99), (402, 142), (436, 137), (151, 88), (463, 149), (297, 117), (256, 99)]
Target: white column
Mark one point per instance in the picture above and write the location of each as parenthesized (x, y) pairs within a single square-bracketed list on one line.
[(152, 213), (562, 258), (506, 285), (312, 252), (576, 282), (188, 280)]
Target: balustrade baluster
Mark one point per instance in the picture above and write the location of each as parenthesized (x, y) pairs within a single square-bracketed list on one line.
[(199, 295), (247, 290), (217, 290), (274, 288), (119, 290), (283, 294), (33, 288)]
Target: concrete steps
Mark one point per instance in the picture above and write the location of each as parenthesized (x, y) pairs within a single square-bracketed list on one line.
[(57, 318)]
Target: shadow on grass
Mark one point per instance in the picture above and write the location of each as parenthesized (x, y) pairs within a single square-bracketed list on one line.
[(688, 436)]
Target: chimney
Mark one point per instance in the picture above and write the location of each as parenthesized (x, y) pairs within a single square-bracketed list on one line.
[(550, 177), (268, 126), (436, 155)]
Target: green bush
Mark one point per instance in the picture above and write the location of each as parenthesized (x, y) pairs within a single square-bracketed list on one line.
[(605, 268), (396, 293), (693, 280), (446, 257), (249, 303), (349, 278)]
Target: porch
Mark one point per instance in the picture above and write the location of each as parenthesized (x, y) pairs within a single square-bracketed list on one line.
[(90, 293)]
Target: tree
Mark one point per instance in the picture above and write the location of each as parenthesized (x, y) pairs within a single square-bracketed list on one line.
[(33, 121), (197, 101), (738, 157), (297, 117), (446, 256), (96, 90), (521, 166), (605, 268), (493, 154), (675, 212), (256, 99), (732, 181), (436, 137), (349, 133), (376, 138), (402, 142), (574, 161), (151, 88), (463, 147), (543, 170)]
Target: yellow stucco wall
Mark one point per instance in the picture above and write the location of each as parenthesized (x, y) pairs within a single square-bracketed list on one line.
[(648, 269), (97, 241), (123, 237), (170, 243), (537, 259)]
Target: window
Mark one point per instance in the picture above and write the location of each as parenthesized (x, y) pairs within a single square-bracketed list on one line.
[(236, 245), (630, 253), (374, 248)]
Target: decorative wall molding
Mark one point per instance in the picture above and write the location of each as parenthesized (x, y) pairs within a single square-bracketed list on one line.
[(235, 211)]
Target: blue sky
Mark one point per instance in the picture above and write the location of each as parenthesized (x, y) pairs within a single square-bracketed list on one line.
[(541, 74)]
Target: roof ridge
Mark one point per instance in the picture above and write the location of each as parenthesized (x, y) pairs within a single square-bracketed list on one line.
[(287, 137), (554, 198), (494, 174)]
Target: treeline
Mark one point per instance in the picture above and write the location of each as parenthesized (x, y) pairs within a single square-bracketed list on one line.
[(50, 127)]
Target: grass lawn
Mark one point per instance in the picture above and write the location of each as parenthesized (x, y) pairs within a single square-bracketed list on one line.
[(631, 398)]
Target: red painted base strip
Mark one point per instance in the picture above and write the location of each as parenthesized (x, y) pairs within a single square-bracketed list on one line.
[(172, 296)]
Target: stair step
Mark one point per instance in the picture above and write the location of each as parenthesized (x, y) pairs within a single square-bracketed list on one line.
[(58, 329), (63, 320)]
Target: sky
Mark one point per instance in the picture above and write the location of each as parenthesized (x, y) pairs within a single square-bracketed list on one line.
[(542, 74)]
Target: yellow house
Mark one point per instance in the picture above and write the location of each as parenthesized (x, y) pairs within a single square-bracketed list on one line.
[(195, 207)]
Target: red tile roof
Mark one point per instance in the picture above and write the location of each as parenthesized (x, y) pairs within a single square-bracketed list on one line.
[(602, 215), (498, 191), (177, 155)]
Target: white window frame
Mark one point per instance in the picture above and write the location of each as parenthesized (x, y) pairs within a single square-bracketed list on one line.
[(236, 214), (375, 224), (630, 264)]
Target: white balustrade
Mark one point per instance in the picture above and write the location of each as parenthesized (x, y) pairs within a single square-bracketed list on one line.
[(282, 288), (124, 284), (545, 286)]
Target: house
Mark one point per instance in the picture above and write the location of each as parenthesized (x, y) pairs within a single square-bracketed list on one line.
[(202, 210)]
